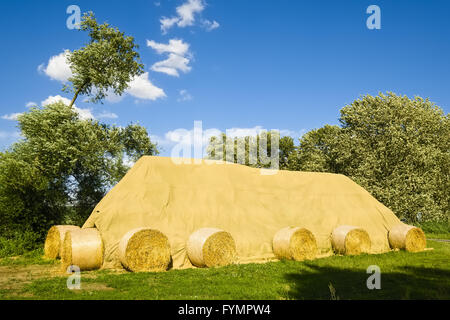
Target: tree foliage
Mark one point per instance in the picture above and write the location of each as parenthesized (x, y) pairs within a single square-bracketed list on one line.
[(106, 64), (62, 167), (255, 151), (316, 151)]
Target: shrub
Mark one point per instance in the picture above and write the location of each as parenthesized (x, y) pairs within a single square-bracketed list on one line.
[(19, 243)]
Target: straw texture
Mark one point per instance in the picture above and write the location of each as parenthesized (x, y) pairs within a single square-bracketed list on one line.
[(295, 243), (82, 248), (407, 238), (211, 247), (144, 249), (350, 240), (54, 240)]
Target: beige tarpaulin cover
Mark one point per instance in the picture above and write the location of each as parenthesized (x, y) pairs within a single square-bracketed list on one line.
[(178, 199)]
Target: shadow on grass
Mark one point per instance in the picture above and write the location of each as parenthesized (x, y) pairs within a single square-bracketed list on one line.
[(403, 283)]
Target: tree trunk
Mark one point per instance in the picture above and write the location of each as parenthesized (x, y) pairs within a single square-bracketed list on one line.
[(76, 94)]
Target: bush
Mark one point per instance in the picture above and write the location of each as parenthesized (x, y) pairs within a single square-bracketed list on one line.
[(19, 243), (435, 227)]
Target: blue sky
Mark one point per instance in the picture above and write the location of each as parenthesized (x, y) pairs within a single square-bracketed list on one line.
[(241, 64)]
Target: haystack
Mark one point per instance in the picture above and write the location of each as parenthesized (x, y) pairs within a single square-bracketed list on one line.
[(350, 240), (407, 238), (178, 199), (82, 248), (144, 249), (295, 243), (211, 247), (54, 240)]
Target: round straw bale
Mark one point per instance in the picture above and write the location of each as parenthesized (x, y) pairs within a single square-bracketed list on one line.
[(211, 247), (407, 237), (54, 240), (82, 248), (350, 240), (294, 243), (144, 249)]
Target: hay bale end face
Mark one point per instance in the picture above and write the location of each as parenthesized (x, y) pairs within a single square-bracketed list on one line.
[(350, 240), (407, 238), (54, 240), (144, 249), (294, 243), (211, 247), (82, 248)]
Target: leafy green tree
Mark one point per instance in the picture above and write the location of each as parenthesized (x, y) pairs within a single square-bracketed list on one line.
[(399, 149), (106, 64), (255, 151), (287, 147), (316, 151), (62, 167)]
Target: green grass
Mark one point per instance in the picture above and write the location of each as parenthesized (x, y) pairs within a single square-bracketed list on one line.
[(34, 257), (424, 275)]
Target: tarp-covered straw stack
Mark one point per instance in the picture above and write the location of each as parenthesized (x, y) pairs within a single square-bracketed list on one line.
[(215, 214)]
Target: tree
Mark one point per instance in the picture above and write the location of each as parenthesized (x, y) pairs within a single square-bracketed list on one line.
[(395, 147), (316, 151), (399, 149), (287, 147), (63, 166), (107, 63), (255, 151)]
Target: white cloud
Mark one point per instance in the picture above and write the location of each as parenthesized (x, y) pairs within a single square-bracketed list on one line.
[(55, 99), (113, 98), (176, 46), (84, 114), (12, 116), (187, 11), (107, 115), (184, 96), (31, 104), (184, 139), (57, 67), (209, 26), (142, 88), (167, 23), (178, 60), (186, 16), (172, 64)]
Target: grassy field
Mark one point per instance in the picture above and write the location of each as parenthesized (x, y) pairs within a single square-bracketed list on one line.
[(424, 275)]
